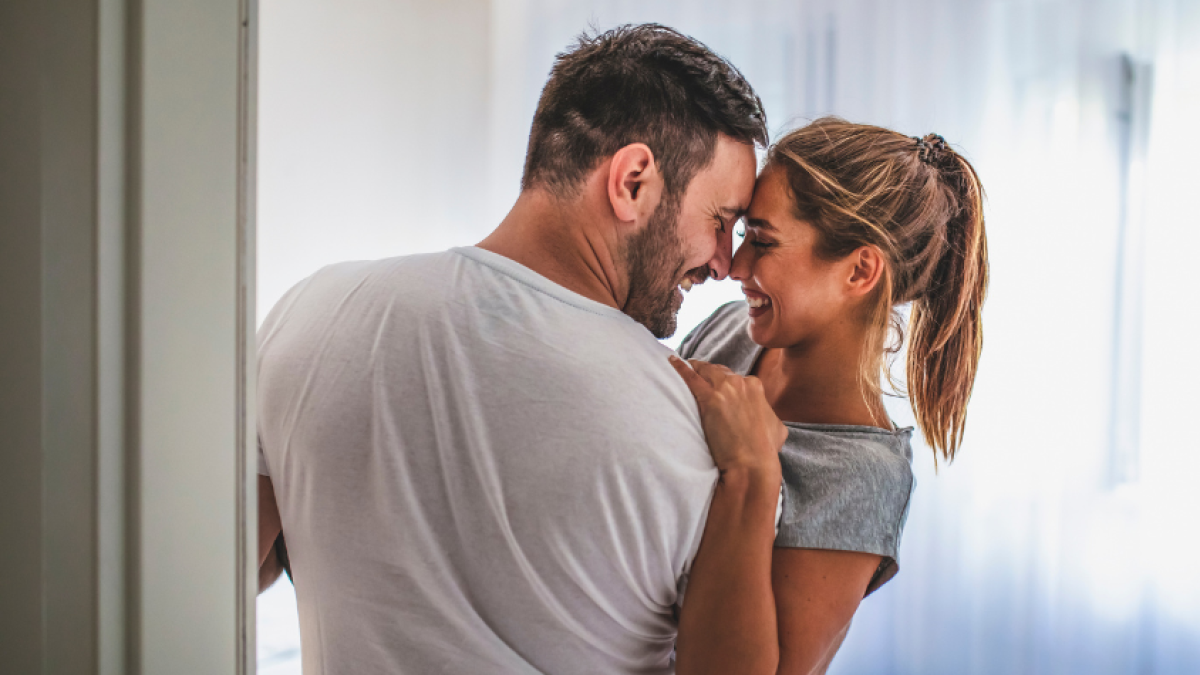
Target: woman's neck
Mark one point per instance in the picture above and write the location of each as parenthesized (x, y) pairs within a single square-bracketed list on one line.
[(818, 384)]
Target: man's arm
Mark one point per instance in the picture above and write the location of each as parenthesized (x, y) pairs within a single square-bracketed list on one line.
[(269, 527), (816, 595)]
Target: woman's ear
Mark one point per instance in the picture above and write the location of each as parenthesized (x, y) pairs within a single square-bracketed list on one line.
[(634, 183), (867, 270)]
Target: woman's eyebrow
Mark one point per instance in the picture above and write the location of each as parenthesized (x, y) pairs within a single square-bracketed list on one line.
[(759, 224)]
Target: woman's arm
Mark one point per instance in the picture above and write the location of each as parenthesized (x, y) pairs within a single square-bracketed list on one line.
[(752, 608), (816, 595), (727, 621), (726, 625)]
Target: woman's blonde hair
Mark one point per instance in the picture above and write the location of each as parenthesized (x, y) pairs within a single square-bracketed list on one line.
[(921, 204)]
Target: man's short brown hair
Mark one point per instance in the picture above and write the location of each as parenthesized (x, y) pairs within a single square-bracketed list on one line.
[(638, 84)]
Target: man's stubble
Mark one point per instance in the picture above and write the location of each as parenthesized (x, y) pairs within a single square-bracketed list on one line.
[(655, 260)]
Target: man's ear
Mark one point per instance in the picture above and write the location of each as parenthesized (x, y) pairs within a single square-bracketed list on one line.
[(634, 183), (868, 266)]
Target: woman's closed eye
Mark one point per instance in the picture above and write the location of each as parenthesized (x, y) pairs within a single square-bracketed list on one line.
[(755, 240)]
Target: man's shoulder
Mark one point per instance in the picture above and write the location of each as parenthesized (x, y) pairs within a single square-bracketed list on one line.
[(336, 287), (345, 272), (413, 277), (416, 263)]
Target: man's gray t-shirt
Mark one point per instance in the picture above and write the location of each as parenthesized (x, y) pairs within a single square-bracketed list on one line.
[(845, 487), (477, 471)]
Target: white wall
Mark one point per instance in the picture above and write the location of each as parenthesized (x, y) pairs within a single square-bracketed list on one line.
[(1032, 553), (373, 132)]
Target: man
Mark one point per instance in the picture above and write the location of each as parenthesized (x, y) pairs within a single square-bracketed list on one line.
[(482, 459)]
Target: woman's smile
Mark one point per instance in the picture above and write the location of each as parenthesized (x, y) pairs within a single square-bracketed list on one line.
[(759, 303)]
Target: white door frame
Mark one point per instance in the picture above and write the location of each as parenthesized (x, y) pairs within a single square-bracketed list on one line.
[(126, 336)]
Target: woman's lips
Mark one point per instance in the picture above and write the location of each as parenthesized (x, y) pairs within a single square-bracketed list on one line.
[(759, 302)]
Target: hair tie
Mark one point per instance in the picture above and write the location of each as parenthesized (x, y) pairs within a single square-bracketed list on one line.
[(930, 148)]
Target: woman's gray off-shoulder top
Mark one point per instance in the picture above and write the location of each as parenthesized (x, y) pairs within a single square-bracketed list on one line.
[(845, 487)]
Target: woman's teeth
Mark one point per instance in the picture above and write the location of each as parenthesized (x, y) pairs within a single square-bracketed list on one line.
[(758, 302)]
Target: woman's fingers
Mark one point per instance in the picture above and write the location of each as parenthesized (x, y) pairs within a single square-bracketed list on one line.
[(714, 373), (699, 385), (741, 428), (702, 377)]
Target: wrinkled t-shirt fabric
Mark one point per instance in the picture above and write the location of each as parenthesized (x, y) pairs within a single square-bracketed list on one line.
[(845, 487), (477, 471)]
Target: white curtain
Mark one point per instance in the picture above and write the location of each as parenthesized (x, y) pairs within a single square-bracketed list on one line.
[(1065, 537)]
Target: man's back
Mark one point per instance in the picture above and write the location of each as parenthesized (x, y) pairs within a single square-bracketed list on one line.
[(477, 471)]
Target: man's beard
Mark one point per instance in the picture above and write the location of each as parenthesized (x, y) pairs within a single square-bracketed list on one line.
[(655, 260)]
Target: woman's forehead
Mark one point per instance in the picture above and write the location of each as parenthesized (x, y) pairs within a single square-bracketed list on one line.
[(771, 192)]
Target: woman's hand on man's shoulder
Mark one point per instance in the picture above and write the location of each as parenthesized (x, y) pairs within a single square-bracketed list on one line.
[(744, 435)]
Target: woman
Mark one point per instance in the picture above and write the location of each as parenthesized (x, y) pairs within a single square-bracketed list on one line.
[(848, 223)]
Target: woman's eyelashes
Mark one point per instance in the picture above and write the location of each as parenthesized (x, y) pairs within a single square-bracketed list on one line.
[(753, 239)]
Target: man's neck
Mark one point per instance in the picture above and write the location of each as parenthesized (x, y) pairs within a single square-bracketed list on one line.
[(559, 242)]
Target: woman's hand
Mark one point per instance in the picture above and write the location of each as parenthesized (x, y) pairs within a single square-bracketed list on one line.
[(752, 608), (742, 430), (727, 623)]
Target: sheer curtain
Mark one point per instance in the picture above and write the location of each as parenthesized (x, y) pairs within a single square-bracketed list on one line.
[(1063, 539)]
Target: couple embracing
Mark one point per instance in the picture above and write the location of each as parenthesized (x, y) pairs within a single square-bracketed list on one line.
[(482, 460)]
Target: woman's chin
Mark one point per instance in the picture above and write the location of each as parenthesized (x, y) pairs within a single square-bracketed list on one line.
[(759, 332), (764, 332)]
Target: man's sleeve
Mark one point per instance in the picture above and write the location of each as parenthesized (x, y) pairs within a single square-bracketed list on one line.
[(263, 469)]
